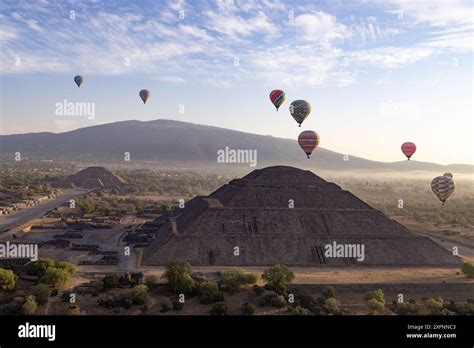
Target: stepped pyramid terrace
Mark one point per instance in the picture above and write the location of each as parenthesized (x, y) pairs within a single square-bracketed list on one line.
[(287, 215)]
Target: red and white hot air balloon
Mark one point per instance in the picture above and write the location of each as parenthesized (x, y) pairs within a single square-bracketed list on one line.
[(408, 149), (308, 141)]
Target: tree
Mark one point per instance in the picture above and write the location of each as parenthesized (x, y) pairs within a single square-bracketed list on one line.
[(68, 267), (56, 277), (7, 279), (74, 310), (30, 306), (278, 276), (468, 269), (139, 295), (375, 301), (41, 293), (178, 274), (110, 281), (151, 281), (329, 292), (39, 267)]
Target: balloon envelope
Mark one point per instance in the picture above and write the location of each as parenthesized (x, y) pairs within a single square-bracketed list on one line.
[(300, 109), (144, 94), (308, 141), (78, 79), (408, 149), (442, 187), (277, 97)]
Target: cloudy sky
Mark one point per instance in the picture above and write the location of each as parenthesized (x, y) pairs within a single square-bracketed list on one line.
[(377, 73)]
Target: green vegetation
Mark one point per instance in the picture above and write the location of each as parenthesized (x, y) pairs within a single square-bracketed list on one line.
[(248, 308), (209, 293), (468, 269), (219, 308), (178, 274), (7, 279), (138, 295), (236, 277), (375, 301), (56, 277), (151, 281), (41, 292), (29, 306), (277, 277), (434, 305), (39, 267)]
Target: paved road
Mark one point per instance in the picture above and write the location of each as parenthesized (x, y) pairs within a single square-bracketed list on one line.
[(20, 217)]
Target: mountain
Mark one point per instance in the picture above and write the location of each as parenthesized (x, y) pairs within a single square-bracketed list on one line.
[(180, 142)]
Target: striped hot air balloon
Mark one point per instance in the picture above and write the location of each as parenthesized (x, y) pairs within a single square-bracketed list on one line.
[(308, 141), (443, 187), (408, 149), (277, 97)]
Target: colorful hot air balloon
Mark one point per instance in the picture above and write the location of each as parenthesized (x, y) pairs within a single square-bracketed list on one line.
[(442, 187), (78, 79), (308, 141), (408, 149), (300, 109), (277, 97), (449, 175), (144, 94)]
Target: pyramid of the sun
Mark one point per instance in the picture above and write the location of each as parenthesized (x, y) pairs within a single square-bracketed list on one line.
[(93, 178), (254, 214)]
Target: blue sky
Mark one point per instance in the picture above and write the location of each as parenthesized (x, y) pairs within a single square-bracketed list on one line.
[(377, 73)]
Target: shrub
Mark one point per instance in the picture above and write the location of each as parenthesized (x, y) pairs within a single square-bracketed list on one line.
[(74, 310), (30, 306), (434, 305), (166, 305), (68, 267), (406, 309), (375, 301), (139, 295), (110, 281), (275, 300), (468, 269), (329, 292), (39, 267), (236, 277), (7, 279), (55, 277), (178, 274), (278, 276), (219, 308), (248, 308), (209, 293), (41, 293), (331, 305), (298, 310)]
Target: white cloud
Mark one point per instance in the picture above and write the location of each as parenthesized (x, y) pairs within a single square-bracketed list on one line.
[(319, 27), (391, 57)]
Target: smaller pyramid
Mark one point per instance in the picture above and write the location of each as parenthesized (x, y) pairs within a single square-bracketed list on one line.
[(93, 178)]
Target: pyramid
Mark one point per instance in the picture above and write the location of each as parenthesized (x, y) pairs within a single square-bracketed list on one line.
[(93, 178), (287, 215)]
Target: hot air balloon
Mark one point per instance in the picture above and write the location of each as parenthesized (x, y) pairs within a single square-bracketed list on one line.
[(78, 79), (449, 175), (144, 94), (308, 141), (277, 97), (300, 109), (442, 187), (408, 149)]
